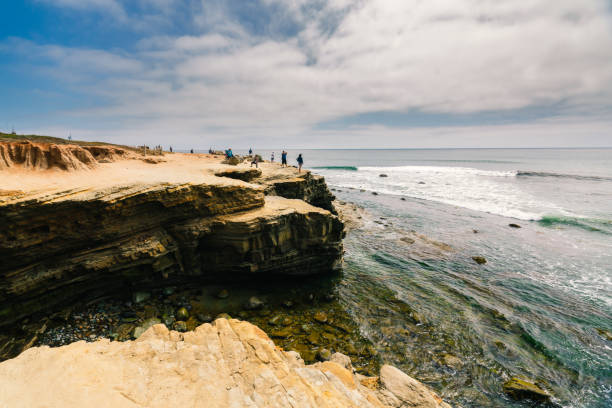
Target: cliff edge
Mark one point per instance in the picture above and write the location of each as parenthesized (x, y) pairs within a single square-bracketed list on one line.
[(228, 363), (127, 223)]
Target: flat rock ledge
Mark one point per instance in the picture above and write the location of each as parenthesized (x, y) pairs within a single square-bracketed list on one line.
[(228, 363)]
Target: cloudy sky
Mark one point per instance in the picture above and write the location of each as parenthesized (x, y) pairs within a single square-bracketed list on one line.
[(310, 73)]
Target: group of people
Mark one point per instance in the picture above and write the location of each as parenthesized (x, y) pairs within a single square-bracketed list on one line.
[(257, 158)]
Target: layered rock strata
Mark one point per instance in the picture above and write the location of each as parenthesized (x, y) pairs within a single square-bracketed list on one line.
[(304, 186), (60, 245), (225, 364)]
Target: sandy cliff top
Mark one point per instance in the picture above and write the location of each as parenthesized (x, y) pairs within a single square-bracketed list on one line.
[(106, 167)]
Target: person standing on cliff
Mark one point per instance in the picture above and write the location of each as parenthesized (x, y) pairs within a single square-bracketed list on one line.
[(255, 161), (250, 151), (300, 161), (272, 157), (284, 159)]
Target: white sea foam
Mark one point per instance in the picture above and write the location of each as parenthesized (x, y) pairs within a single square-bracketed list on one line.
[(495, 192), (440, 170)]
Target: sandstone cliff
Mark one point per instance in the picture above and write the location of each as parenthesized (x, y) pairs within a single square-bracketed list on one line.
[(43, 156), (225, 364), (124, 225)]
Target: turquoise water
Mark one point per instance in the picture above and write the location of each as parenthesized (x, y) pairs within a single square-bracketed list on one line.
[(538, 308)]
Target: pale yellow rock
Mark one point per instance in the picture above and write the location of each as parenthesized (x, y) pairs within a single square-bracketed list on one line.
[(228, 363)]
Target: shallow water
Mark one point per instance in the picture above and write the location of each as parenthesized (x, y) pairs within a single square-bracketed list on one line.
[(535, 309)]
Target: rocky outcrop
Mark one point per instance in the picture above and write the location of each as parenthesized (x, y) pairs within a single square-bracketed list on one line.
[(520, 389), (244, 174), (225, 364), (285, 236), (305, 186), (43, 156), (59, 246)]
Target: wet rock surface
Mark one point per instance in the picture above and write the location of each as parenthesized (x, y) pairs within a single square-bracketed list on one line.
[(520, 389)]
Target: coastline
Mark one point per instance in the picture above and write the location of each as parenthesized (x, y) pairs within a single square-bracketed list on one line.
[(86, 270)]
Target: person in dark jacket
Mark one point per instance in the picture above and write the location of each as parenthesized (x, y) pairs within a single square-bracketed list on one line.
[(284, 159), (300, 161)]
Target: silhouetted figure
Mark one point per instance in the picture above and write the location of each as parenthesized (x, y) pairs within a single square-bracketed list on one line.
[(250, 151), (284, 159), (300, 161), (191, 150), (170, 149), (272, 157)]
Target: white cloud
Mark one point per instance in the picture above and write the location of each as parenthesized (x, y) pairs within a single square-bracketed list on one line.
[(439, 56)]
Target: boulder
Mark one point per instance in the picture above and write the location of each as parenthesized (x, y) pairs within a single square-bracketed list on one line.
[(520, 389), (401, 390), (228, 363), (232, 161), (138, 331), (514, 226), (479, 260), (182, 314)]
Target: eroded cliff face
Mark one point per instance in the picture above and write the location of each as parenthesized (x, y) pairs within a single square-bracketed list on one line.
[(59, 246), (44, 156), (228, 363)]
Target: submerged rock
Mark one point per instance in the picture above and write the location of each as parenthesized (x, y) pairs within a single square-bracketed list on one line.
[(139, 297), (382, 175), (479, 260), (180, 326), (204, 318), (282, 333), (606, 334), (276, 320), (320, 317), (452, 361), (324, 354), (182, 314), (514, 226), (223, 294), (254, 303), (520, 389)]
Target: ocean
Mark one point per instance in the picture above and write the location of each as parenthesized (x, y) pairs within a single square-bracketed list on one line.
[(540, 308)]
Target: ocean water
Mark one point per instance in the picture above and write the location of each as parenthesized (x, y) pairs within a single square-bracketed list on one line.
[(541, 305)]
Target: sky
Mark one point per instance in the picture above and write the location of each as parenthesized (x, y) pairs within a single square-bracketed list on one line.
[(309, 73)]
